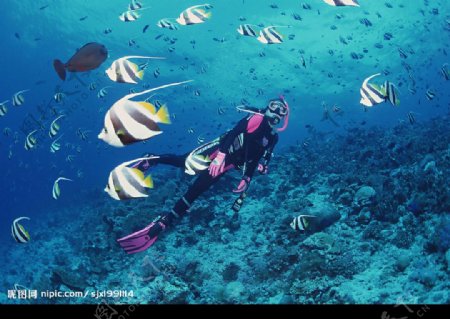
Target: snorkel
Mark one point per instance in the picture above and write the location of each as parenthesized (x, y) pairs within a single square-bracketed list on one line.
[(257, 111), (286, 117)]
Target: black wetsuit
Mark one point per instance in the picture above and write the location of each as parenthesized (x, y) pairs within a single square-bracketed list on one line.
[(242, 148)]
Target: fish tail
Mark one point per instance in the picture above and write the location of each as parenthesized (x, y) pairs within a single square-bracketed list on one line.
[(163, 115), (60, 68), (140, 74), (148, 182)]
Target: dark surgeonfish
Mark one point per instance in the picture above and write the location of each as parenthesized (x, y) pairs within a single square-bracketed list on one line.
[(89, 57)]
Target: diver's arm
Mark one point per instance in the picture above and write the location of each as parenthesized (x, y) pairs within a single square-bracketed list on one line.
[(268, 155)]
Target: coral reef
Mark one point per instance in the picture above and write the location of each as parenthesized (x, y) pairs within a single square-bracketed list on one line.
[(382, 229)]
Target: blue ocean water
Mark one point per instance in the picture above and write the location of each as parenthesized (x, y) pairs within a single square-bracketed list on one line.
[(326, 54)]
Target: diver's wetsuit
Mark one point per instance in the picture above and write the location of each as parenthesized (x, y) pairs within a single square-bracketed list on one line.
[(244, 146)]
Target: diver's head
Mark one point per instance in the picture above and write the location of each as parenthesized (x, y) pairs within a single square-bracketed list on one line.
[(276, 110)]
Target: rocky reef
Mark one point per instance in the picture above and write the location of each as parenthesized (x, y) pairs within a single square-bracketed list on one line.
[(381, 198)]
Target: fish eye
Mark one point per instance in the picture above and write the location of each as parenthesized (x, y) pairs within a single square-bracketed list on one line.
[(105, 130)]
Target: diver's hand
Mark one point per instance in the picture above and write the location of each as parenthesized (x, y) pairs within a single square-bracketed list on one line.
[(263, 169), (217, 165), (243, 185)]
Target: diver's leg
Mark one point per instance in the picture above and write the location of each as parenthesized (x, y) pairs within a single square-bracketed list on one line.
[(144, 238), (168, 159), (201, 185)]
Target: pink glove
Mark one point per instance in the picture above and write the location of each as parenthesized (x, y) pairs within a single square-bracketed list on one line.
[(243, 185), (217, 165), (263, 169)]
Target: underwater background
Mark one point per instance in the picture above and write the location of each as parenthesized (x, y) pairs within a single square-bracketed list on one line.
[(383, 171)]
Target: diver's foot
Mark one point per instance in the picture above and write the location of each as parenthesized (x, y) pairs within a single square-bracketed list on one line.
[(145, 164), (144, 238)]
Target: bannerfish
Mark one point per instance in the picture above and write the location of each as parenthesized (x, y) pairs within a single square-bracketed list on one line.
[(124, 71), (269, 35), (130, 15), (59, 97), (54, 127), (411, 118), (103, 92), (246, 30), (87, 58), (56, 191), (55, 146), (370, 93), (195, 161), (30, 141), (3, 108), (430, 94), (92, 86), (134, 5), (445, 72), (194, 15), (340, 3), (126, 182), (19, 233), (391, 93), (18, 99), (128, 122), (167, 24), (301, 222)]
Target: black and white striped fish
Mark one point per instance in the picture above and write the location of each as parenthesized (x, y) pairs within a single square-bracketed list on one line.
[(92, 86), (269, 35), (430, 94), (56, 191), (103, 92), (445, 72), (301, 222), (200, 139), (126, 182), (411, 118), (3, 108), (124, 71), (134, 5), (19, 233), (220, 111), (82, 134), (30, 141), (127, 121), (70, 158), (18, 98), (190, 130), (371, 95), (246, 30), (339, 3), (167, 24), (55, 146), (196, 161), (391, 93), (54, 127), (59, 97), (194, 15), (143, 66), (129, 16)]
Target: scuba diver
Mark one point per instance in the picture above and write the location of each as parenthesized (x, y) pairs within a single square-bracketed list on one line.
[(252, 139)]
